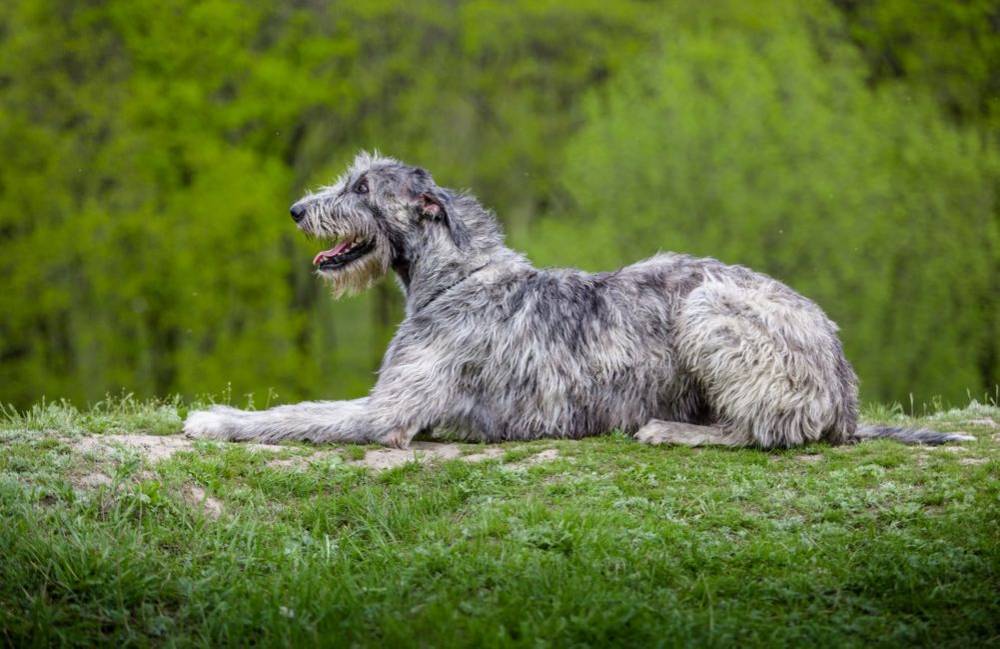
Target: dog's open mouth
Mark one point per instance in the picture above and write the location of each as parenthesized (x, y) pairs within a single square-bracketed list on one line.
[(346, 251)]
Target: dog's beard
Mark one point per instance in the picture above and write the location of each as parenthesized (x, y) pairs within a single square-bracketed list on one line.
[(360, 274)]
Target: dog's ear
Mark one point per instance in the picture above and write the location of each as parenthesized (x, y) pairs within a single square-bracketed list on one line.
[(432, 205), (435, 204)]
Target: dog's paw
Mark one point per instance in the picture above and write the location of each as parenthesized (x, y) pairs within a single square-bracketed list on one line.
[(210, 424), (650, 434), (398, 438), (656, 433)]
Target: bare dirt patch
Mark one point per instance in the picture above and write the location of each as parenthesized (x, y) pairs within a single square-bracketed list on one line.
[(90, 480), (292, 463), (973, 460), (386, 458), (809, 458), (153, 448), (424, 452), (196, 497), (488, 453), (949, 449), (541, 457), (96, 479)]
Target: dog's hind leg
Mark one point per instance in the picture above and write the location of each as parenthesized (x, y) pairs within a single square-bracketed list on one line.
[(683, 434), (312, 421)]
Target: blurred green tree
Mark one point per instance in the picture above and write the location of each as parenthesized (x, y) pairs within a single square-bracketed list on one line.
[(757, 147), (149, 151)]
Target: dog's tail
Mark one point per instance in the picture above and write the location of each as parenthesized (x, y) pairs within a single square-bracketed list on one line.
[(908, 435)]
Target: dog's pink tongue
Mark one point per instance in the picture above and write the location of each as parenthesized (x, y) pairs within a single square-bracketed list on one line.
[(332, 252)]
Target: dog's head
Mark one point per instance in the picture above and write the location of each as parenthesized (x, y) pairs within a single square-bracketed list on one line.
[(376, 216)]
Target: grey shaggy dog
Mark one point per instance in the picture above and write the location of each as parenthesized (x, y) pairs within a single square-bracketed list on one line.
[(672, 349)]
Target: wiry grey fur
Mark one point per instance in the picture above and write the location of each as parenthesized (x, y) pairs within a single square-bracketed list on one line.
[(672, 349)]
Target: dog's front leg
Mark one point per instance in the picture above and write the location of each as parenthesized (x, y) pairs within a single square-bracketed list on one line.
[(356, 421)]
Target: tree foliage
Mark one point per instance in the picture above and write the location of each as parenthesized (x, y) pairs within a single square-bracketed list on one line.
[(149, 151), (761, 150)]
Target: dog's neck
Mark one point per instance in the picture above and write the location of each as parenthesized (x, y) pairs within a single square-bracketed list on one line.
[(425, 277), (434, 259)]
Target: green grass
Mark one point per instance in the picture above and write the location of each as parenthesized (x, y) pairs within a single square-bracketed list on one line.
[(611, 543)]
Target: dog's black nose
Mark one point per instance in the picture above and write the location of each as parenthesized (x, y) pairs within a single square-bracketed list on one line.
[(298, 212)]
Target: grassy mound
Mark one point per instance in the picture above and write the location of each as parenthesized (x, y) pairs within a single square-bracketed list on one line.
[(594, 542)]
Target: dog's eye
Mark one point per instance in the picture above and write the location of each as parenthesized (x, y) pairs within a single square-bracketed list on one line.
[(361, 187)]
